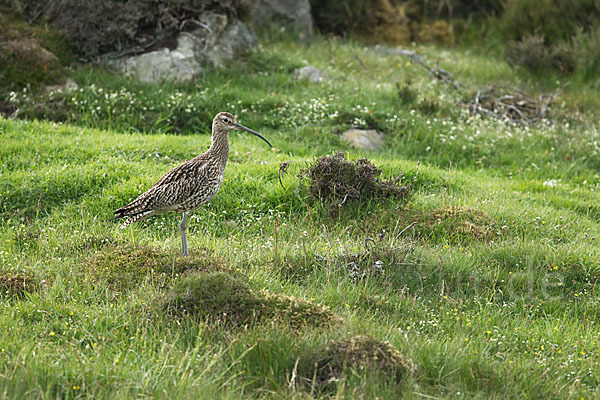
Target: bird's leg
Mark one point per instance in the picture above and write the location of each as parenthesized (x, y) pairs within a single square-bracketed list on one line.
[(184, 249)]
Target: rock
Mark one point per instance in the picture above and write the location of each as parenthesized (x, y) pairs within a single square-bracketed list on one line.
[(364, 139), (236, 39), (216, 41), (68, 85), (177, 65), (309, 73), (292, 15)]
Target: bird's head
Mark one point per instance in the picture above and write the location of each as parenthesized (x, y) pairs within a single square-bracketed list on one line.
[(225, 122)]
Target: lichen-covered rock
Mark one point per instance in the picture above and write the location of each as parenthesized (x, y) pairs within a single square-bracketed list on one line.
[(236, 39), (364, 139), (309, 73), (291, 15), (177, 65)]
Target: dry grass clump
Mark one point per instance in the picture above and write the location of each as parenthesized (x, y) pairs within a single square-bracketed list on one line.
[(224, 298), (123, 267), (329, 364), (335, 179), (17, 284)]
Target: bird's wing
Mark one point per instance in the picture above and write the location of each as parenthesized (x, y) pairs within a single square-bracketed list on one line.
[(175, 187), (178, 185)]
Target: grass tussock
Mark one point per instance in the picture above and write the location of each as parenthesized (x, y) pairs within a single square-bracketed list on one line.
[(336, 179), (124, 266), (460, 221), (329, 364), (223, 298), (17, 285), (215, 296)]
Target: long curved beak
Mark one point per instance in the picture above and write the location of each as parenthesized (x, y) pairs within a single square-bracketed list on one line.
[(243, 128)]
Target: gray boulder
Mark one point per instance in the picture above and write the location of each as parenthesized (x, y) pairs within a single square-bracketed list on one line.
[(214, 40), (292, 15), (364, 139), (176, 65), (309, 73)]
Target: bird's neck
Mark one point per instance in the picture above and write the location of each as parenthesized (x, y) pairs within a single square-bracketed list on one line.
[(220, 147)]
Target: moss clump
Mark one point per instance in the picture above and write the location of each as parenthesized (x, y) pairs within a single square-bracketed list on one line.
[(123, 267), (216, 296), (221, 297), (17, 284), (330, 363), (334, 178)]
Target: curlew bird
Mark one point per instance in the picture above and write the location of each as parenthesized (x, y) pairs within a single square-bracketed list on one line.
[(189, 185)]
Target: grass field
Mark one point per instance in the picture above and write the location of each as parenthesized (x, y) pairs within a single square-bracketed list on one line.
[(489, 294)]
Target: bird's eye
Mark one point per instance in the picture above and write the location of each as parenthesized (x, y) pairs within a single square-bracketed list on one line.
[(226, 120)]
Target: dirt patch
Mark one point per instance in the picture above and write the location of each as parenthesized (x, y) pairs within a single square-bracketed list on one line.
[(336, 179), (227, 299), (123, 267), (329, 364), (17, 284)]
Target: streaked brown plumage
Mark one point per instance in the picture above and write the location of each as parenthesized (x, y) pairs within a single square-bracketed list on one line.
[(189, 185)]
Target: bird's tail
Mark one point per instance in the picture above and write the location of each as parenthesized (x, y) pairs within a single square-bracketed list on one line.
[(134, 212)]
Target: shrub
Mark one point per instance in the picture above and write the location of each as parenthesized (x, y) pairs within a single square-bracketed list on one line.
[(98, 27), (529, 53), (27, 55), (338, 17), (587, 48), (555, 20), (435, 32)]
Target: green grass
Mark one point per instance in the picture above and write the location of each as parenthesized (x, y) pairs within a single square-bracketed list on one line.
[(492, 293)]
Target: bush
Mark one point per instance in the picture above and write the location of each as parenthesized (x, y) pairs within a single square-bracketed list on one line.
[(554, 20), (435, 32), (98, 27), (581, 52), (529, 53), (379, 21), (587, 45), (29, 55)]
